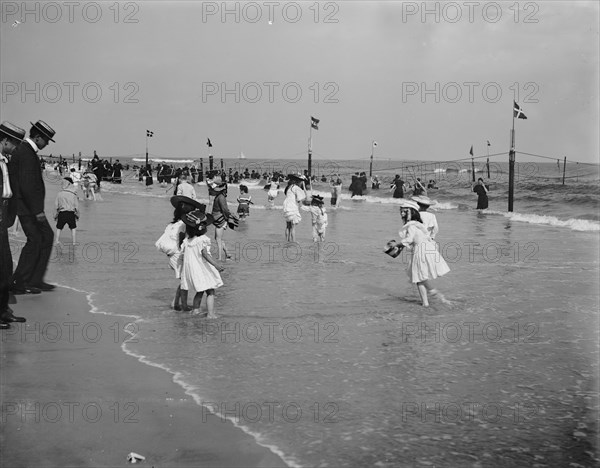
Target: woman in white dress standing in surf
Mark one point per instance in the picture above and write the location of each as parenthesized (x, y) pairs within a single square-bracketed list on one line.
[(295, 192)]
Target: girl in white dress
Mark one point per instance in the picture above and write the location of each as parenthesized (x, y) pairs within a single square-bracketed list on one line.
[(428, 219), (295, 192), (199, 270), (426, 262)]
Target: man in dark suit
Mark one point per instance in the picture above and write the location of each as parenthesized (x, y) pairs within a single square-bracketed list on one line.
[(10, 137), (29, 193)]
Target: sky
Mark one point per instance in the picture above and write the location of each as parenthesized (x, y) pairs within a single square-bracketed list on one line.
[(424, 80)]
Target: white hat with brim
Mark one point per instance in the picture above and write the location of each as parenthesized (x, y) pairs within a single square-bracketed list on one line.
[(409, 204)]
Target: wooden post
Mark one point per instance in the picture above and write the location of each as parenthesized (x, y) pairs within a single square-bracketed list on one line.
[(371, 163), (210, 162), (564, 169), (310, 151), (201, 175), (511, 170), (473, 168), (488, 167)]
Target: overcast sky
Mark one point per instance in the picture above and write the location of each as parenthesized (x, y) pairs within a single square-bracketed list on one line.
[(368, 70)]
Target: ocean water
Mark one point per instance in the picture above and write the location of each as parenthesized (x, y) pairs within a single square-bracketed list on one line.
[(328, 358)]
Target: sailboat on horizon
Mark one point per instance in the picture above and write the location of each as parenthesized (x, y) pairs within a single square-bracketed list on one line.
[(242, 156)]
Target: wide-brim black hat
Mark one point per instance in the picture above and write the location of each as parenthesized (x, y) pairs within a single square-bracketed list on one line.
[(45, 129), (318, 198), (177, 199), (12, 131), (298, 177)]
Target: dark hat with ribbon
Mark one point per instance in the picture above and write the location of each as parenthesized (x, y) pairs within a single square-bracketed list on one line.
[(220, 187), (68, 179), (195, 218), (45, 129), (318, 199), (8, 129)]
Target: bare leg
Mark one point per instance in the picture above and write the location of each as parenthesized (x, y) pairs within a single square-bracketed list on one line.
[(176, 304), (220, 242), (210, 303), (74, 236), (184, 297), (58, 236), (197, 302), (423, 294)]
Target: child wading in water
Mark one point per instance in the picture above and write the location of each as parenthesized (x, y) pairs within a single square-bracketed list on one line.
[(199, 271), (67, 210), (425, 262), (319, 217), (170, 244), (244, 201)]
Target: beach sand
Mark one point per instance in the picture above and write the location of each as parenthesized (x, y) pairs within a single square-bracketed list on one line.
[(72, 397)]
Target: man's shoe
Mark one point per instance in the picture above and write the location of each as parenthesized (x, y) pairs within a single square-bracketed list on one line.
[(4, 326), (18, 289), (8, 317), (43, 286)]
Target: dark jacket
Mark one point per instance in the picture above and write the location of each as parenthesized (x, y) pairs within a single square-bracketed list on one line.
[(26, 182)]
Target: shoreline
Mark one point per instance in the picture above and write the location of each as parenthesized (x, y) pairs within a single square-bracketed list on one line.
[(73, 396)]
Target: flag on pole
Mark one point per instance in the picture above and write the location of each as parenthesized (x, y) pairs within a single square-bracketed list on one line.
[(471, 151), (208, 143), (489, 144), (374, 144), (314, 123), (517, 112), (149, 133)]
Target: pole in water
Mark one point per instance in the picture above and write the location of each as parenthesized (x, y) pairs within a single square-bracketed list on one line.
[(564, 169), (473, 168), (487, 164)]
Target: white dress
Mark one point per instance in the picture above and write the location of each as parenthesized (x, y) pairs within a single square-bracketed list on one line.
[(294, 195), (425, 262), (197, 273), (430, 222)]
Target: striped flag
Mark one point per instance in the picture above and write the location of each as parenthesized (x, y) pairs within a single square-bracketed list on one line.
[(517, 112)]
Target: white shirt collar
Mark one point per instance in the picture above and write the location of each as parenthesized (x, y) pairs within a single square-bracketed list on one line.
[(32, 143)]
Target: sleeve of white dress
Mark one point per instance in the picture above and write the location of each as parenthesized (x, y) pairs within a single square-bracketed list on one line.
[(407, 236), (300, 195), (436, 229)]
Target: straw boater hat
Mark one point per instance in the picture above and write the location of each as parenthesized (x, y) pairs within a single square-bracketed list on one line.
[(422, 200), (44, 128), (177, 199), (409, 204), (10, 130)]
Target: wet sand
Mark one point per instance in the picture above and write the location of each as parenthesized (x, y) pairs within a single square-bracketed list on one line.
[(72, 397)]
